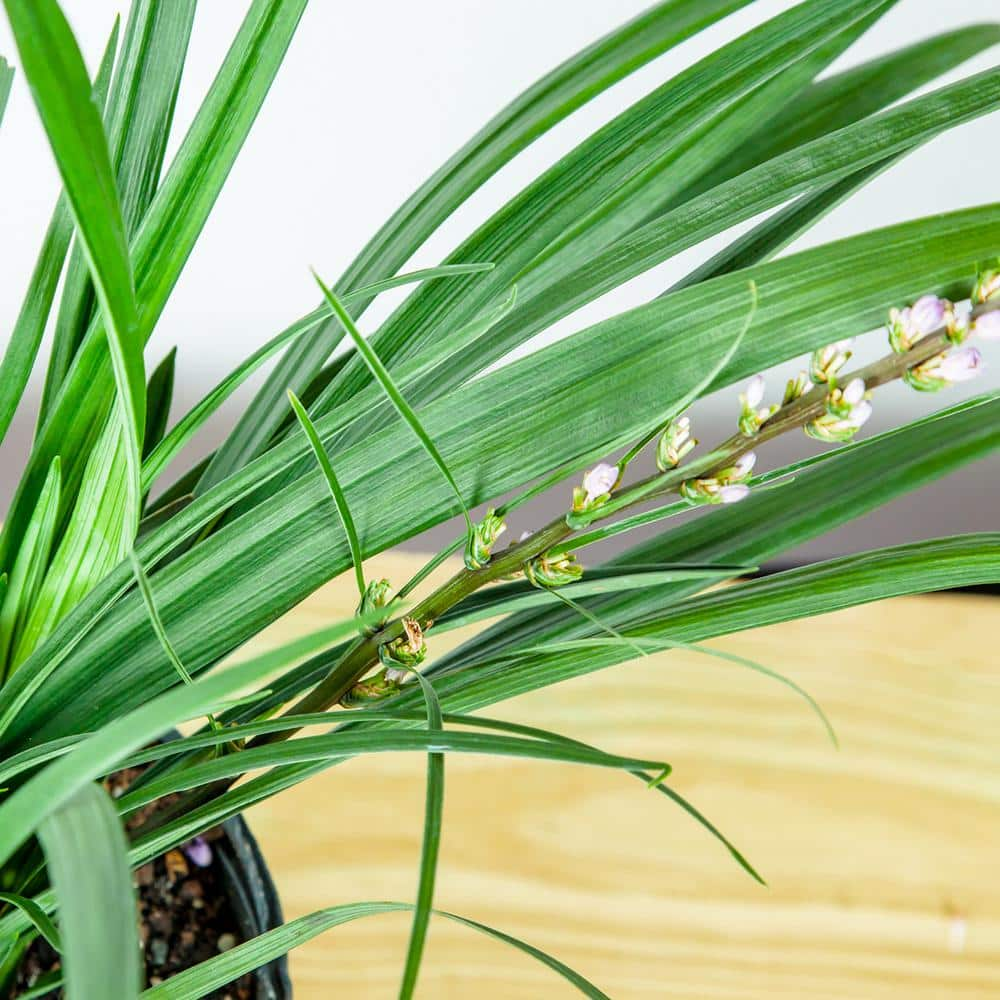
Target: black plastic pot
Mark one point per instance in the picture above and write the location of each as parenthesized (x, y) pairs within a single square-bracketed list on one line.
[(254, 900)]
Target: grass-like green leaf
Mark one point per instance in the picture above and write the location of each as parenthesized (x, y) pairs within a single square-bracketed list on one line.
[(430, 846), (154, 618), (22, 349), (351, 744), (613, 181), (38, 917), (340, 501), (164, 239), (58, 80), (192, 421), (505, 598), (138, 118), (87, 861), (29, 570), (381, 374), (159, 396), (531, 114), (252, 954)]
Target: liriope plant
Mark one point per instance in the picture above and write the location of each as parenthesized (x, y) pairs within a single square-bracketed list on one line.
[(121, 591)]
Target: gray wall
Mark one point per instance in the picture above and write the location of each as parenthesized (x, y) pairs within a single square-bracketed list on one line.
[(372, 98)]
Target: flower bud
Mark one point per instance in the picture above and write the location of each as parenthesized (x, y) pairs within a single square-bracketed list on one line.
[(675, 442), (796, 388), (733, 493), (847, 411), (987, 286), (827, 361), (554, 568), (987, 326), (946, 369), (480, 543), (597, 487), (405, 652), (713, 491), (378, 594), (752, 414)]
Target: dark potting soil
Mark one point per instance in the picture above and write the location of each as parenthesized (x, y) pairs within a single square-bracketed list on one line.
[(185, 916)]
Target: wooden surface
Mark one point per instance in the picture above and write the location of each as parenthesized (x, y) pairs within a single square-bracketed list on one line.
[(882, 858)]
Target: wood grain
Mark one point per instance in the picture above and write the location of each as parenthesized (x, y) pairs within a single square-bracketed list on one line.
[(881, 858)]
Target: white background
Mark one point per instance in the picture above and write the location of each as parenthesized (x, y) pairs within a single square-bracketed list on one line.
[(371, 99)]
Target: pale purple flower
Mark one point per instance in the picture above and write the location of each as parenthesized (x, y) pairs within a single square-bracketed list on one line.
[(854, 392), (987, 326), (960, 365), (755, 392), (926, 315), (733, 493), (600, 480), (198, 852), (744, 465)]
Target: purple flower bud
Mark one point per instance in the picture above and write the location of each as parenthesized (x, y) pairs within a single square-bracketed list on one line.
[(198, 852), (987, 326), (961, 365), (927, 315), (755, 392), (600, 480), (733, 493)]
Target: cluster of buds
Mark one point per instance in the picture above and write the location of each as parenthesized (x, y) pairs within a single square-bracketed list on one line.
[(796, 388), (675, 442), (726, 486), (945, 369), (927, 315), (404, 653), (827, 361), (378, 594), (555, 568), (847, 411), (752, 414), (481, 541), (596, 488)]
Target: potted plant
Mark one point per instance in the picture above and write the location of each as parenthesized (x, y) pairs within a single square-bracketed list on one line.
[(126, 584)]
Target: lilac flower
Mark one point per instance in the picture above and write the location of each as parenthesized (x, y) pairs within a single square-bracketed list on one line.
[(854, 392), (733, 493), (928, 314), (599, 481), (959, 366), (755, 392), (198, 852), (987, 326), (743, 466)]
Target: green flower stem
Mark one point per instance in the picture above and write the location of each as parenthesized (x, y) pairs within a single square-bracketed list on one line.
[(364, 654), (360, 658)]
